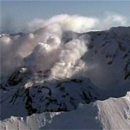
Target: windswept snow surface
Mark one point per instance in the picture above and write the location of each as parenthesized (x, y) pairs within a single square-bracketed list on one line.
[(85, 117), (54, 78), (114, 113)]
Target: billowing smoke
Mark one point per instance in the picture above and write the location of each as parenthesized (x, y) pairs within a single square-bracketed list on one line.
[(67, 23), (69, 59), (43, 49), (35, 24), (13, 50), (113, 20), (79, 23), (52, 54)]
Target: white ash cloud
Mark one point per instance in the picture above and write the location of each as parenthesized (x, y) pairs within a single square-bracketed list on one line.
[(74, 23), (81, 24), (112, 20), (43, 48)]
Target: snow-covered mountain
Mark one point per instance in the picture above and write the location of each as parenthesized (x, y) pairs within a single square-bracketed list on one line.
[(66, 80)]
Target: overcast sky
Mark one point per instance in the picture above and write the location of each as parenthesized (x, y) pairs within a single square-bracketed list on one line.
[(17, 14)]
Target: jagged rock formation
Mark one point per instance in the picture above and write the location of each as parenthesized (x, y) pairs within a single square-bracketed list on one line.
[(52, 96)]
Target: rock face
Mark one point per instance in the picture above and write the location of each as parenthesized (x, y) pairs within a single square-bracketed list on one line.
[(17, 77), (108, 56), (54, 96)]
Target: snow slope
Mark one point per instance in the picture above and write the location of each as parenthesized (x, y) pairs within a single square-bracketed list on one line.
[(115, 113), (82, 118)]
